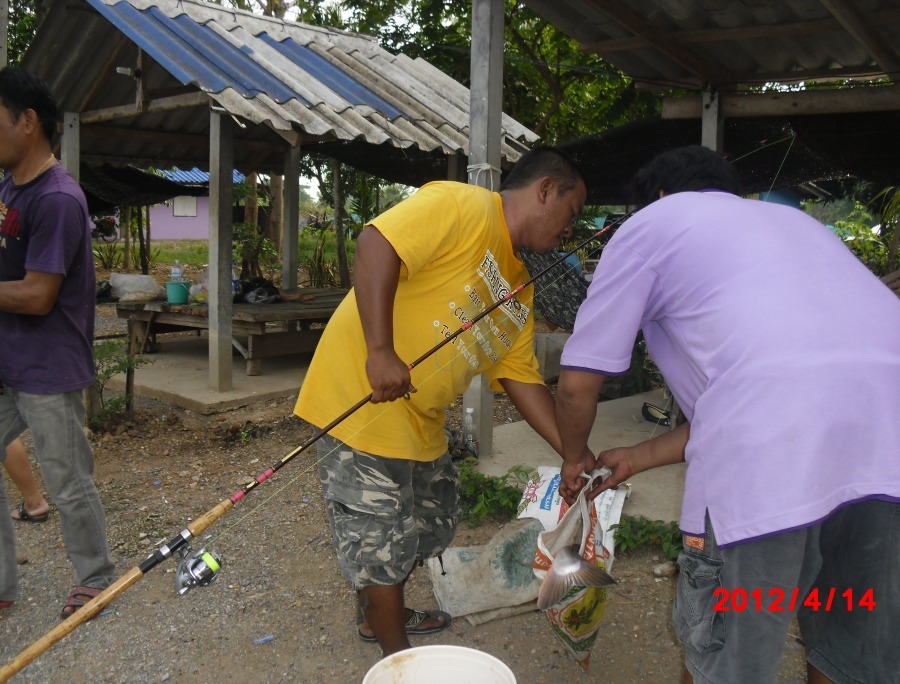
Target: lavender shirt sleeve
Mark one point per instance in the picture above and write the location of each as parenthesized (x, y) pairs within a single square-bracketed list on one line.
[(611, 316)]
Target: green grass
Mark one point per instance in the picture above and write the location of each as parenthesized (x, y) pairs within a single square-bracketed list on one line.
[(193, 252), (196, 252)]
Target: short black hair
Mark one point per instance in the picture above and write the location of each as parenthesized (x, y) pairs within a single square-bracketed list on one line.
[(681, 170), (544, 161), (21, 90)]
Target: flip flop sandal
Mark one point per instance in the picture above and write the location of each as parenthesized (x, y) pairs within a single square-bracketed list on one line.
[(413, 623), (77, 598), (25, 516), (656, 415)]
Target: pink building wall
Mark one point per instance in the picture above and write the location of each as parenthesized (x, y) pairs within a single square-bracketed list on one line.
[(164, 225)]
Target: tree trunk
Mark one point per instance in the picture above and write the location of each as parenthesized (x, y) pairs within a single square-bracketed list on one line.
[(142, 247), (126, 235), (275, 227), (249, 256), (343, 265)]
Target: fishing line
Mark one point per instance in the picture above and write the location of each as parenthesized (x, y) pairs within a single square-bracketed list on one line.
[(763, 146), (283, 486), (202, 568)]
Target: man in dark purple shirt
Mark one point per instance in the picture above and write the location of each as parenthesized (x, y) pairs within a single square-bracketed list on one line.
[(47, 292)]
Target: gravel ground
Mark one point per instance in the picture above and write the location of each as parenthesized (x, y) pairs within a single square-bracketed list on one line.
[(279, 612)]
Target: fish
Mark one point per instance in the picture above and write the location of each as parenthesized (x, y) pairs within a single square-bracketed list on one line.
[(569, 570)]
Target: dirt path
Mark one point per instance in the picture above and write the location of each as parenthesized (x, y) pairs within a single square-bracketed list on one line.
[(279, 577)]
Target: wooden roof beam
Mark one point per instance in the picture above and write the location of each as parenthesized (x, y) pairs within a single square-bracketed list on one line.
[(657, 40), (866, 34), (165, 104), (724, 35), (775, 103)]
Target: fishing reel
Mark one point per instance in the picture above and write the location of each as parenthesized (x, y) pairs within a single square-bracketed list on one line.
[(197, 570)]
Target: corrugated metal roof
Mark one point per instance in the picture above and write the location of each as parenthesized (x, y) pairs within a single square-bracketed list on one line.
[(688, 43), (196, 177), (304, 83)]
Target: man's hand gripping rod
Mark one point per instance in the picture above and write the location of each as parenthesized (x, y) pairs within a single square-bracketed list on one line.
[(202, 568)]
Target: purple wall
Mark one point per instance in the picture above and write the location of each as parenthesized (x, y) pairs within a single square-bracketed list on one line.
[(164, 225)]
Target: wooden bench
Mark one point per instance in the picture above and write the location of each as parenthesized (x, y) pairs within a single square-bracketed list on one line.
[(258, 330)]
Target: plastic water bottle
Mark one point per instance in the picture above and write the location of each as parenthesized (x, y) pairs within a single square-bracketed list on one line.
[(470, 431), (235, 278), (177, 271)]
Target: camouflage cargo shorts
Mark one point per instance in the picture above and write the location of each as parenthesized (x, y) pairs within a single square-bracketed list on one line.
[(386, 513)]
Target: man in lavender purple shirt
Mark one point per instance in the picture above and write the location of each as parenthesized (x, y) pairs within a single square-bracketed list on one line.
[(47, 299), (783, 351)]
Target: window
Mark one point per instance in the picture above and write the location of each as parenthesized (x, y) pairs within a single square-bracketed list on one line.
[(184, 205)]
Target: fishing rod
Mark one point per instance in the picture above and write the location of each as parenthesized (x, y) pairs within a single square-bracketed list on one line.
[(202, 567)]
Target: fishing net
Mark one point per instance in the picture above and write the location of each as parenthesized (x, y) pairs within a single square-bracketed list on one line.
[(559, 292)]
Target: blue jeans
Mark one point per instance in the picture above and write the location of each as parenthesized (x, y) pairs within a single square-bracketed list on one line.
[(733, 606), (67, 464)]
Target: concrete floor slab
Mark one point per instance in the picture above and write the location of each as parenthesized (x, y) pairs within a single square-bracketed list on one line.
[(179, 375), (656, 494)]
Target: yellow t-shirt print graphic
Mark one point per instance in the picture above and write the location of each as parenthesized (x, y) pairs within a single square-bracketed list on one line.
[(457, 259)]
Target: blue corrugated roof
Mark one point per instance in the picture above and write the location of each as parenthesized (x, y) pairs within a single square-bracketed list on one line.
[(196, 176), (311, 85), (331, 76)]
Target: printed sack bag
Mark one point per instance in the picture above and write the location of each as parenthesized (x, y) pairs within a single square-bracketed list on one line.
[(576, 618)]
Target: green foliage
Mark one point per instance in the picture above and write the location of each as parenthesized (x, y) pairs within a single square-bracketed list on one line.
[(550, 84), (108, 255), (642, 375), (318, 255), (153, 255), (193, 252), (251, 246), (321, 269), (21, 26), (111, 358), (862, 240), (484, 496), (635, 531), (888, 203)]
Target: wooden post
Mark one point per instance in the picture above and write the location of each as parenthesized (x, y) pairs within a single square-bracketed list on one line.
[(291, 219), (221, 232), (712, 129), (485, 111)]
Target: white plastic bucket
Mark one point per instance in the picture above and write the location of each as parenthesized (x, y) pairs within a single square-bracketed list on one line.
[(440, 665)]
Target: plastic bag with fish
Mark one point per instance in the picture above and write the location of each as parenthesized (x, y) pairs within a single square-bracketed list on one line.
[(570, 561)]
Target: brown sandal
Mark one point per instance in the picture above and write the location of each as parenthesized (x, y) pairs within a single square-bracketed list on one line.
[(414, 621), (77, 598)]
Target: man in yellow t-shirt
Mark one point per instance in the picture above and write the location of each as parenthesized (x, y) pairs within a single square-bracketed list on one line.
[(423, 269)]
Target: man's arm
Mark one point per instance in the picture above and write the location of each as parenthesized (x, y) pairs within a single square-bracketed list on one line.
[(576, 408), (535, 403), (34, 295), (376, 272), (624, 462)]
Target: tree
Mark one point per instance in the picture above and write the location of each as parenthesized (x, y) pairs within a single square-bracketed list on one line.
[(22, 23), (550, 85)]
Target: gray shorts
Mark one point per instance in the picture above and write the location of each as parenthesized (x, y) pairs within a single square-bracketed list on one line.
[(386, 513), (733, 606)]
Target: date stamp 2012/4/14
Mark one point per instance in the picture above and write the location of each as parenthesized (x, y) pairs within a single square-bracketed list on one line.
[(777, 600)]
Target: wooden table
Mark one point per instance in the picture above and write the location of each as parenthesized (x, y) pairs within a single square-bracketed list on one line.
[(258, 330)]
